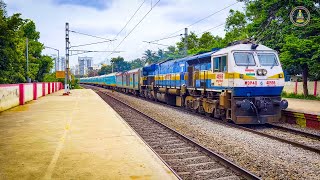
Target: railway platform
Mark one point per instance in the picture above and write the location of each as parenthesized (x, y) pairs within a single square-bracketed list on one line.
[(73, 137), (305, 113), (304, 106)]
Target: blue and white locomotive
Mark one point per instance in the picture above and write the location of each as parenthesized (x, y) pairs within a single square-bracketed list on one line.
[(240, 83)]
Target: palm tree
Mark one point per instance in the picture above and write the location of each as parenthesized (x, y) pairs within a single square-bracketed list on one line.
[(149, 56)]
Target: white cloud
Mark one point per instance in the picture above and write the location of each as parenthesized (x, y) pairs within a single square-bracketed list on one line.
[(168, 17)]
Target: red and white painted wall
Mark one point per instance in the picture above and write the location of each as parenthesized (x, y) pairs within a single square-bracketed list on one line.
[(297, 87), (12, 95)]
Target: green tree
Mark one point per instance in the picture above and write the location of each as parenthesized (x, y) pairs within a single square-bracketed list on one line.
[(172, 52), (192, 39), (270, 24), (150, 57), (11, 64), (236, 27), (300, 53), (137, 63), (13, 34), (105, 69), (119, 65)]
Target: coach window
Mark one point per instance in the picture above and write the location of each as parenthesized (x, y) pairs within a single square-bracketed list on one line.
[(220, 64)]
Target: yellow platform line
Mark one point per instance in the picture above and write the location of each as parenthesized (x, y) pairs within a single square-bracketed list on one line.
[(59, 148)]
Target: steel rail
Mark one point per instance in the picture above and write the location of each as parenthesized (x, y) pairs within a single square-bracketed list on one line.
[(300, 145), (297, 144), (315, 136), (246, 174)]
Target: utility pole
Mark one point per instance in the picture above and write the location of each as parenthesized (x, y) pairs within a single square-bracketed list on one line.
[(185, 41), (27, 58), (111, 67), (56, 60), (66, 80)]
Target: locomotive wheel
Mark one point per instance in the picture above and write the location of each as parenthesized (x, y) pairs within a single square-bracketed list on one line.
[(224, 119), (208, 114), (194, 110)]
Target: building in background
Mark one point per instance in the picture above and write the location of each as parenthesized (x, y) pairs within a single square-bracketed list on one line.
[(58, 64), (62, 63), (84, 64), (75, 70), (93, 71), (55, 67)]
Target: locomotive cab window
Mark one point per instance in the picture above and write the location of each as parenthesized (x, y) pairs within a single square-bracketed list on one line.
[(244, 59), (267, 59), (220, 64)]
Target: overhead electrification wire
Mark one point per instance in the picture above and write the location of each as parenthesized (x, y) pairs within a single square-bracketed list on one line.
[(130, 19), (90, 35), (92, 43), (166, 38), (89, 51), (93, 51), (211, 29), (136, 25), (200, 20), (156, 43)]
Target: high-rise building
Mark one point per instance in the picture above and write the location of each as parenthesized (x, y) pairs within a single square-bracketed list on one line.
[(75, 69), (62, 63), (55, 63), (84, 64)]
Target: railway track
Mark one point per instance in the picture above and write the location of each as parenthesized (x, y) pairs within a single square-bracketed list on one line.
[(304, 140), (188, 159), (302, 133)]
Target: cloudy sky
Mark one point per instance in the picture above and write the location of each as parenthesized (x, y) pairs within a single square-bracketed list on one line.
[(105, 18)]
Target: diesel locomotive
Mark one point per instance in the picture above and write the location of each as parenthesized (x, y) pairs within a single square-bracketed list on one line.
[(241, 83)]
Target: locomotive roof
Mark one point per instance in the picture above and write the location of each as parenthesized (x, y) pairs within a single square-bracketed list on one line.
[(194, 57), (242, 47)]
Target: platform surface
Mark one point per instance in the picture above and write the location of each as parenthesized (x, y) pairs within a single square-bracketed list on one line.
[(304, 106), (73, 137)]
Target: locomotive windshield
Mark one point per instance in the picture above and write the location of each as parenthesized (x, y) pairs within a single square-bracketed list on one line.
[(244, 59), (267, 59)]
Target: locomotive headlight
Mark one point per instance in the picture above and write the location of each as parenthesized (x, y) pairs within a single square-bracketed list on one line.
[(259, 72), (264, 72)]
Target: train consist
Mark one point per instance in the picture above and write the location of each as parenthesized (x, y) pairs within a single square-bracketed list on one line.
[(240, 83)]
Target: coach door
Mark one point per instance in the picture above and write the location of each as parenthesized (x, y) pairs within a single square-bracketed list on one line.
[(133, 80)]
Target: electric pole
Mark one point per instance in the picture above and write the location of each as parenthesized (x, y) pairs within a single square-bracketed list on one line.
[(185, 41), (111, 67), (56, 61), (66, 81)]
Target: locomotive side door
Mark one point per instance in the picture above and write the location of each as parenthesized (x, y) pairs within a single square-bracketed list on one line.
[(190, 76), (230, 75), (220, 69)]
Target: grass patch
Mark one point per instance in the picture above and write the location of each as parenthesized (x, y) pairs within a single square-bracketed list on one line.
[(76, 86), (299, 96)]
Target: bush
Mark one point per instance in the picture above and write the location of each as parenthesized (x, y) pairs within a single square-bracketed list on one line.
[(299, 96)]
